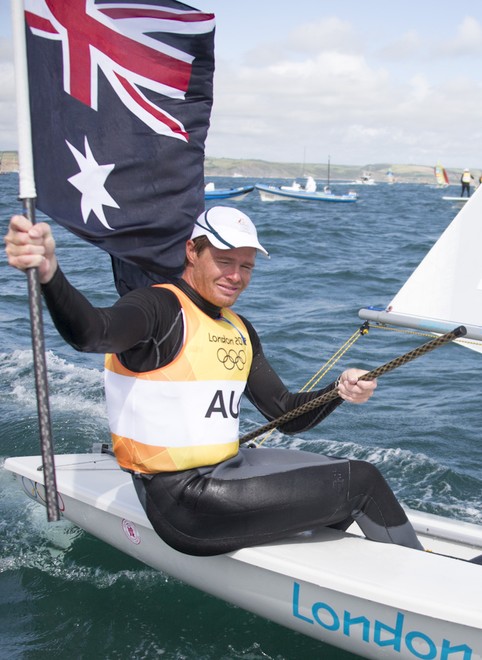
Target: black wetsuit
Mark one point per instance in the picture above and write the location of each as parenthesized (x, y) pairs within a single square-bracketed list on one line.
[(261, 494)]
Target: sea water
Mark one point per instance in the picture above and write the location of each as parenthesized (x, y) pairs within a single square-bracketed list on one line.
[(64, 593)]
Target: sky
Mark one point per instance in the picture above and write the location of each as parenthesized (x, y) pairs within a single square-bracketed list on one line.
[(359, 82)]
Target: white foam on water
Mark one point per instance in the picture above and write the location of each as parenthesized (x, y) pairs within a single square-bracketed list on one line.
[(72, 388)]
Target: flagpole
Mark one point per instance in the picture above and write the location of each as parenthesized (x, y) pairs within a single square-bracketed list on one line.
[(27, 194)]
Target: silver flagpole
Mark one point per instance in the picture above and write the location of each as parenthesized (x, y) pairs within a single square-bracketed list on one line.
[(27, 194)]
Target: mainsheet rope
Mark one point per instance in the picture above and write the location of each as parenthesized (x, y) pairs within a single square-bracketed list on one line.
[(328, 366), (370, 375)]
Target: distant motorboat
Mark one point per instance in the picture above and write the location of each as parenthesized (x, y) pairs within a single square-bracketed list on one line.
[(211, 192), (281, 193)]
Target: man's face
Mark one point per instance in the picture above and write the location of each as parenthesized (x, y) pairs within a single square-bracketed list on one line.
[(219, 276)]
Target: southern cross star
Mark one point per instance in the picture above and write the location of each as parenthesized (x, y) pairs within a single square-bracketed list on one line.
[(90, 182)]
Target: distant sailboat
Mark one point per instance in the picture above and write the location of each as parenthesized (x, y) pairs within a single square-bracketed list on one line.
[(441, 176), (445, 290)]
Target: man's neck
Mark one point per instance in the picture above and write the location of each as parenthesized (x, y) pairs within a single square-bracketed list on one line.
[(204, 305)]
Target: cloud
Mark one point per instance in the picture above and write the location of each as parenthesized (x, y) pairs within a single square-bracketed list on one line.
[(327, 34), (409, 46), (467, 41), (330, 86), (328, 92)]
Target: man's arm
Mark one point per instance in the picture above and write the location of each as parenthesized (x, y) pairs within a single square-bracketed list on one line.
[(94, 329), (134, 325), (268, 393)]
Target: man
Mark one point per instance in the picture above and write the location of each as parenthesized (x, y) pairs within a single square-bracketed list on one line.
[(178, 360), (466, 180)]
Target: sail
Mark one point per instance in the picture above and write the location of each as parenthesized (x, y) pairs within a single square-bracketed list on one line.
[(445, 290), (441, 176)]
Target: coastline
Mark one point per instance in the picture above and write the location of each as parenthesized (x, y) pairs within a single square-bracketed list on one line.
[(261, 169), (8, 162)]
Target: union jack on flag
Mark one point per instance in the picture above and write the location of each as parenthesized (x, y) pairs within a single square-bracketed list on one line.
[(120, 101)]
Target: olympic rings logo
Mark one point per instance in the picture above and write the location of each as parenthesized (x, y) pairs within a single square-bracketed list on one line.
[(231, 359)]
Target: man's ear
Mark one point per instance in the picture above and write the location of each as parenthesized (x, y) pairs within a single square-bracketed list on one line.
[(190, 252)]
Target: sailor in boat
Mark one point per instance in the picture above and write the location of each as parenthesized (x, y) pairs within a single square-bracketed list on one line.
[(178, 360), (466, 180), (310, 185)]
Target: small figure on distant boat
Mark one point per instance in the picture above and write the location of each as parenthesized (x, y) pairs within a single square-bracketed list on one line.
[(465, 180), (310, 185)]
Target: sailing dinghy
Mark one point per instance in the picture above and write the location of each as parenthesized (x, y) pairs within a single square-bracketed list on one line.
[(374, 599), (441, 176)]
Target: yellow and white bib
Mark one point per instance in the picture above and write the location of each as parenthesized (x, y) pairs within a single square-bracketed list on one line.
[(185, 414)]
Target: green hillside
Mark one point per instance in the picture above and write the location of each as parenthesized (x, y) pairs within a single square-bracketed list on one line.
[(260, 169)]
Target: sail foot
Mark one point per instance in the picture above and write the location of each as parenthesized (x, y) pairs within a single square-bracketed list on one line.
[(436, 326)]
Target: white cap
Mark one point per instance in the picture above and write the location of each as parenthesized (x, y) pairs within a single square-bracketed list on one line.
[(226, 228)]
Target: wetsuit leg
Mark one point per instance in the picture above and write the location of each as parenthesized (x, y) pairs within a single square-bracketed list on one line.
[(376, 509), (263, 495)]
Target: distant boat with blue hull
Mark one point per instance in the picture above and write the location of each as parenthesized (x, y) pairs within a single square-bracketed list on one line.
[(211, 192), (297, 192)]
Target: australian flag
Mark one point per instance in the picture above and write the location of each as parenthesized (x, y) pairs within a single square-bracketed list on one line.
[(120, 100)]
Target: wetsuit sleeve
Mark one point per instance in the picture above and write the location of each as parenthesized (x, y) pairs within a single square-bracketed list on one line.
[(268, 393), (134, 327)]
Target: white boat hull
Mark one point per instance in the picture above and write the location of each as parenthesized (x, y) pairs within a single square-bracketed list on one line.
[(458, 200), (276, 194), (375, 600)]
